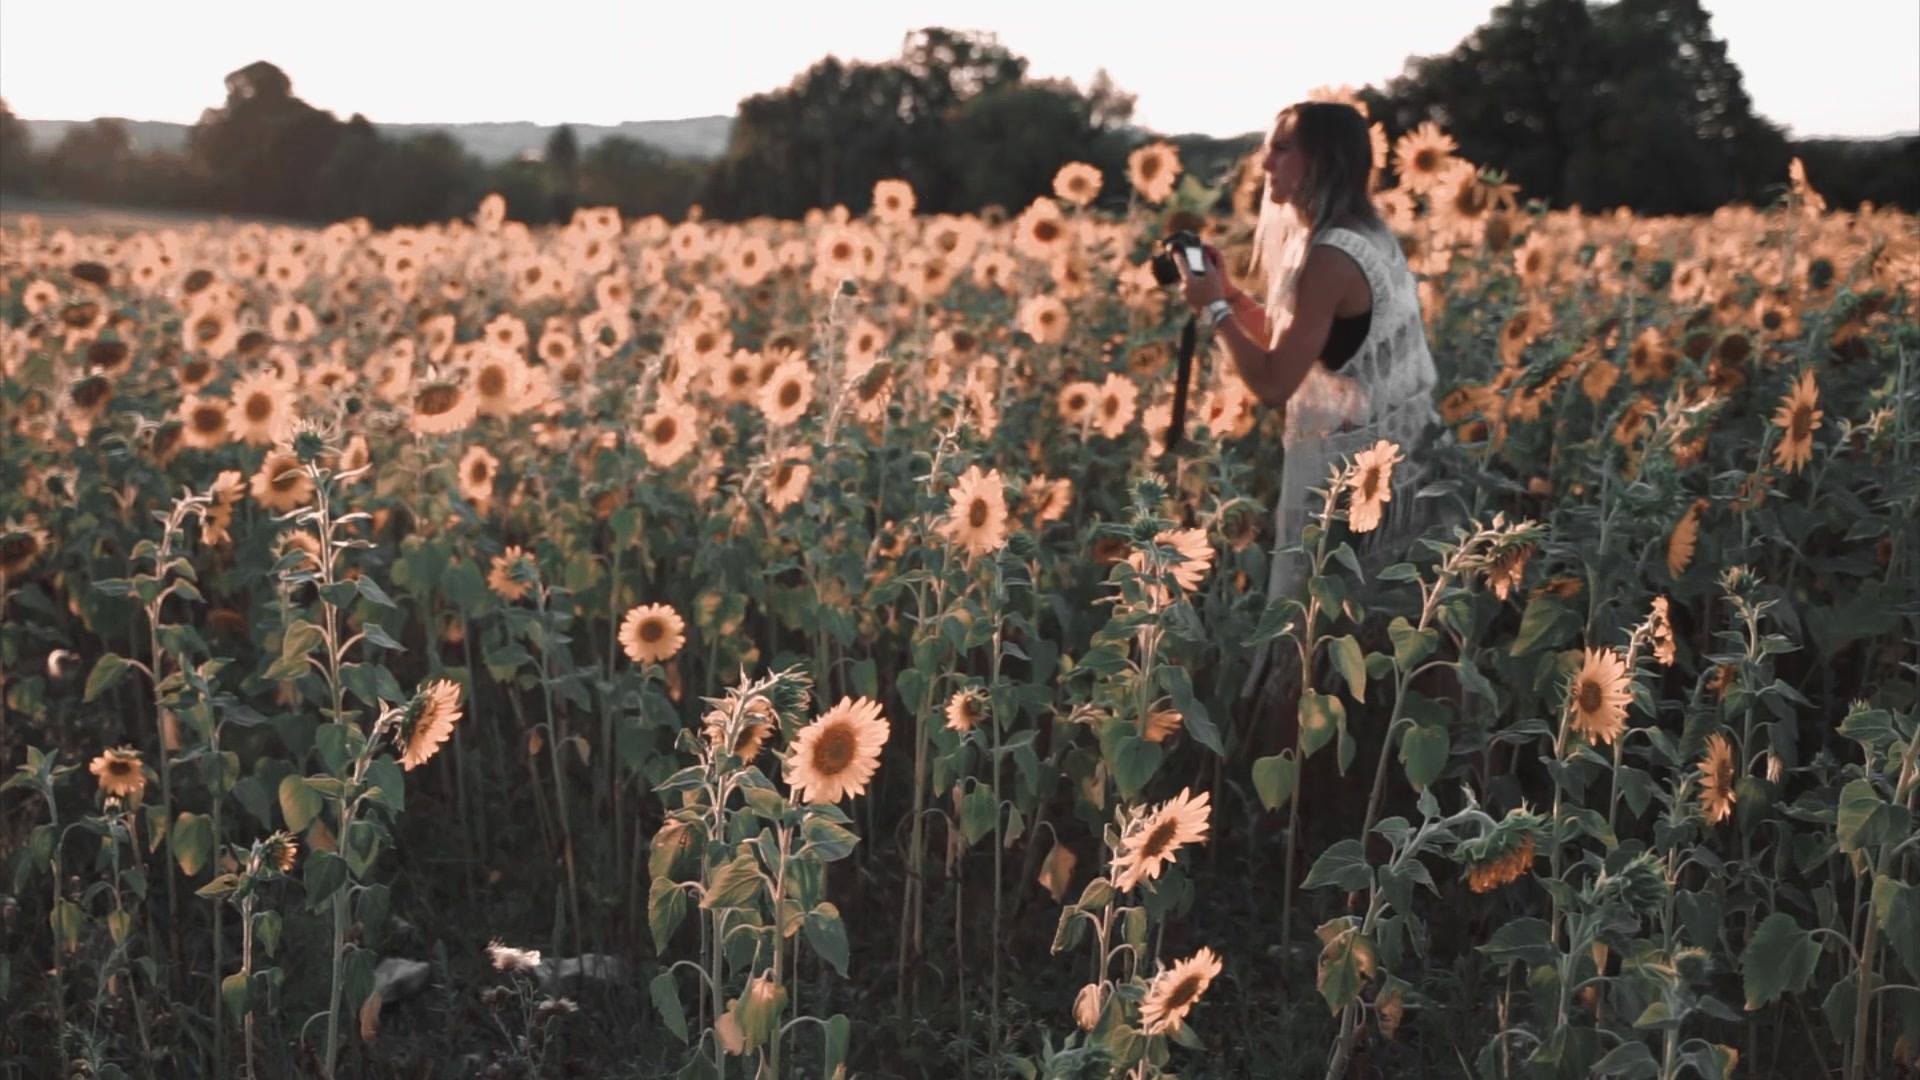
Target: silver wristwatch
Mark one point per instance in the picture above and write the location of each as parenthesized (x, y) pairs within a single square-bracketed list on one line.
[(1217, 312)]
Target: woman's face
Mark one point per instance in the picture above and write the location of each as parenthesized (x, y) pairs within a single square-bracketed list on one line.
[(1284, 164)]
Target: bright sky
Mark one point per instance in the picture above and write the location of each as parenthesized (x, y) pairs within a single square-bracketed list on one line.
[(1843, 67)]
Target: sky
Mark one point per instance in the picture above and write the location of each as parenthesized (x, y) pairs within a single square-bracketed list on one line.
[(1843, 67)]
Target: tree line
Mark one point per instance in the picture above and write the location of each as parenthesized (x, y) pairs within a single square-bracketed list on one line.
[(1632, 103)]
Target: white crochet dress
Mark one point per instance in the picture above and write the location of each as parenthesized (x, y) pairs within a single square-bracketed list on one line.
[(1384, 391)]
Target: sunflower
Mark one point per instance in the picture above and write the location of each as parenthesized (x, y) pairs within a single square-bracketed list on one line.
[(1660, 631), (430, 719), (1598, 379), (1599, 696), (478, 467), (1154, 838), (512, 574), (1175, 992), (279, 851), (1049, 500), (282, 484), (1799, 419), (262, 409), (1717, 794), (210, 332), (667, 433), (870, 391), (1195, 559), (893, 201), (651, 633), (965, 709), (1152, 170), (1044, 319), (1506, 569), (1501, 863), (1162, 723), (787, 393), (1372, 485), (1091, 1001), (1422, 157), (440, 407), (756, 725), (978, 521), (1116, 406), (1039, 233), (499, 380), (836, 755), (1076, 401), (788, 481), (1684, 538), (120, 773), (1077, 182)]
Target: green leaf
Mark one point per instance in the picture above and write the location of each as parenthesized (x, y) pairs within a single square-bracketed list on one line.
[(666, 907), (839, 1034), (734, 884), (1351, 662), (1779, 959), (1525, 940), (221, 885), (977, 813), (827, 839), (1630, 1060), (1133, 763), (1410, 646), (106, 671), (1865, 819), (325, 874), (827, 934), (1343, 966), (666, 1001), (373, 592), (299, 803), (233, 991), (1423, 749), (1193, 714), (192, 842), (1321, 715), (378, 635), (1539, 625), (1274, 778), (1897, 909), (1342, 866)]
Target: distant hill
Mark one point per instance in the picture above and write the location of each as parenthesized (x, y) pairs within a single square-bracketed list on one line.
[(701, 137)]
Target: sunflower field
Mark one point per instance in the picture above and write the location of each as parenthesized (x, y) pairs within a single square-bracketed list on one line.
[(786, 648)]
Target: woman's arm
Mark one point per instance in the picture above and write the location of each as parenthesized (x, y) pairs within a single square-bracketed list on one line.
[(1274, 374), (1252, 318)]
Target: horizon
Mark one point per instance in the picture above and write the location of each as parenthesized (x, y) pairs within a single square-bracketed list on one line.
[(1862, 87)]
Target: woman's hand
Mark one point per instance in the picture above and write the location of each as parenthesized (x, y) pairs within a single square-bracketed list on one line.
[(1204, 289)]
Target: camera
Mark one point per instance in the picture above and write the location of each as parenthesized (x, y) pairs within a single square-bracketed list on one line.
[(1179, 245)]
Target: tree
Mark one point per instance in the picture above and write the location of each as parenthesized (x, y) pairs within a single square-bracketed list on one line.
[(92, 161), (954, 115), (263, 150), (1633, 103), (16, 152)]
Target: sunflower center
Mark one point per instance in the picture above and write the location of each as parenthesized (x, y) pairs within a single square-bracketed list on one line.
[(1183, 993), (789, 395), (1369, 483), (435, 400), (652, 630), (493, 381), (977, 513), (206, 329), (259, 407), (665, 428), (208, 419), (833, 750), (1159, 839), (1800, 425), (1591, 696)]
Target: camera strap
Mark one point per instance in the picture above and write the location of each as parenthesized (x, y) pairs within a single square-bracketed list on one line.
[(1183, 374)]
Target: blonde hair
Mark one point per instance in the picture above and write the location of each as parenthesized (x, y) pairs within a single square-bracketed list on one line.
[(1333, 138)]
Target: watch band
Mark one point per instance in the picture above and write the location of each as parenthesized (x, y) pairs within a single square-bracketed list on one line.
[(1217, 312)]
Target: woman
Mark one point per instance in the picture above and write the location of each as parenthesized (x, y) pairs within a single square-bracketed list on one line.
[(1345, 350)]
